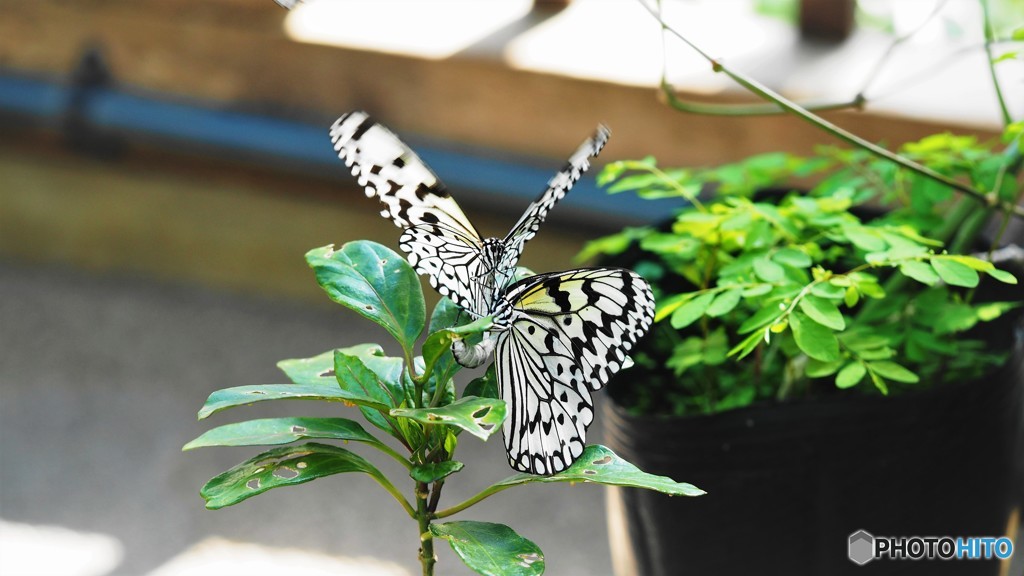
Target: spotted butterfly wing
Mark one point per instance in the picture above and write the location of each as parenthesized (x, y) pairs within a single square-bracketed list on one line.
[(566, 334), (558, 187), (441, 242)]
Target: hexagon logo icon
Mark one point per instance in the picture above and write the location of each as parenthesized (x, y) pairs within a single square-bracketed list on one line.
[(861, 547)]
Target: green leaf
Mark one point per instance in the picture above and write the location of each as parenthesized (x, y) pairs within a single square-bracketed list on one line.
[(862, 340), (447, 314), (920, 271), (850, 375), (792, 257), (724, 302), (831, 289), (815, 340), (955, 273), (819, 369), (746, 346), (485, 386), (491, 549), (285, 466), (689, 312), (992, 310), (767, 270), (245, 395), (1002, 276), (435, 471), (851, 297), (666, 306), (437, 345), (1011, 55), (893, 371), (478, 416), (823, 312), (757, 290), (376, 283), (954, 317), (600, 465), (447, 322), (271, 431), (883, 353), (316, 370), (864, 238), (355, 376), (879, 382), (763, 317)]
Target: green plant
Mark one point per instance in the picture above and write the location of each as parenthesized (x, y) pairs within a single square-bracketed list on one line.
[(769, 295), (411, 398)]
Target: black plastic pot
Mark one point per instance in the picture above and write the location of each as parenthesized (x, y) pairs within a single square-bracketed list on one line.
[(789, 483)]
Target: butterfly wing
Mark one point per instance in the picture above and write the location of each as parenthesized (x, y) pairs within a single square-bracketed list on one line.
[(441, 242), (558, 187), (568, 333)]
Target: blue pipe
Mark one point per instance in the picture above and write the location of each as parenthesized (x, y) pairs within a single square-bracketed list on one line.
[(261, 136)]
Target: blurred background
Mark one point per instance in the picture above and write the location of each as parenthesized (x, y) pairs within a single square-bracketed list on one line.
[(165, 165)]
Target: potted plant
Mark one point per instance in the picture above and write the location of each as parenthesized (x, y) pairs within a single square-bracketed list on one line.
[(826, 358), (817, 368)]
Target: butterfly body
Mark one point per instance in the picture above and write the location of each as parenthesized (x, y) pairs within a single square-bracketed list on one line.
[(555, 337)]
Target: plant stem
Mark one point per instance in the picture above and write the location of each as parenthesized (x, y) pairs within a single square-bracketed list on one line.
[(485, 493), (427, 557), (989, 39), (435, 496), (383, 481)]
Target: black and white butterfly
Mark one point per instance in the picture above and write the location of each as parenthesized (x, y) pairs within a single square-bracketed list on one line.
[(556, 337), (441, 242)]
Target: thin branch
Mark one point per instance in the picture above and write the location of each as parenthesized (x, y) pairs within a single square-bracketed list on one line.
[(873, 75), (485, 493), (989, 36), (387, 485), (770, 95)]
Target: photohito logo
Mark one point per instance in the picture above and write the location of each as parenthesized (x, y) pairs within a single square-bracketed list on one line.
[(863, 547)]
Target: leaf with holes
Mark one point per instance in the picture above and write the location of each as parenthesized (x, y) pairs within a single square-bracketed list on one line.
[(491, 549), (320, 368), (285, 466), (316, 370), (435, 471), (600, 465), (480, 417), (271, 431), (245, 395), (375, 282)]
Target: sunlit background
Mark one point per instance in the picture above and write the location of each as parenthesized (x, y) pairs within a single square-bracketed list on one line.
[(164, 166)]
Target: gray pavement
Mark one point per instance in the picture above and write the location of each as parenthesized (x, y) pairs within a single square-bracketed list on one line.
[(100, 380)]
